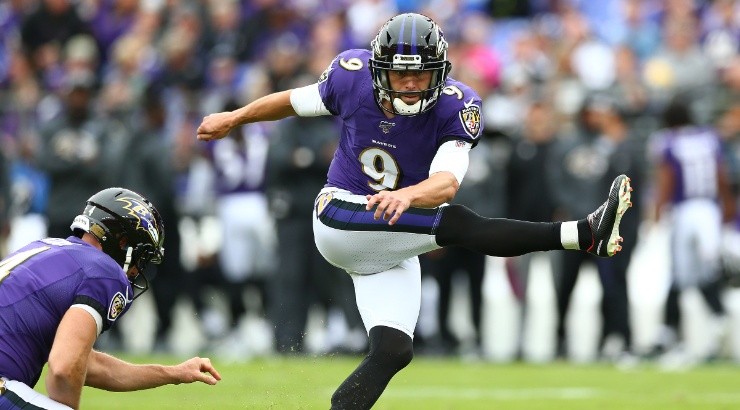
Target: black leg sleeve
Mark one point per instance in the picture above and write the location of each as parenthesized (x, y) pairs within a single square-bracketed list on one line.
[(390, 351), (460, 226)]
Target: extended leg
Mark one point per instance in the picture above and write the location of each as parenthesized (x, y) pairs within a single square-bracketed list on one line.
[(460, 226), (598, 233)]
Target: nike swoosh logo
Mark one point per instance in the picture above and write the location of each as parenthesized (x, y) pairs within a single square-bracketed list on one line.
[(604, 214)]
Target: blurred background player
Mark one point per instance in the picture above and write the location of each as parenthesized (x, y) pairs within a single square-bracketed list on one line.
[(623, 146), (529, 197), (72, 152), (579, 166), (692, 183), (247, 255), (300, 153), (148, 168)]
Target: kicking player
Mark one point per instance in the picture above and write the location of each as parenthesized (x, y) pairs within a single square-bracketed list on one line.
[(403, 152)]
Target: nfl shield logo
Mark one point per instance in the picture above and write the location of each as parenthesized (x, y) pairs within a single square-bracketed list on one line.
[(386, 126), (324, 75), (470, 118)]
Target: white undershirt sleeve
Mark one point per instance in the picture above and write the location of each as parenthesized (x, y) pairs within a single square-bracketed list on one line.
[(452, 156), (94, 313), (306, 101)]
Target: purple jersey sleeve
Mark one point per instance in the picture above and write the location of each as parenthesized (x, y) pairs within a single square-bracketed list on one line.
[(38, 284), (340, 89), (376, 152), (462, 108)]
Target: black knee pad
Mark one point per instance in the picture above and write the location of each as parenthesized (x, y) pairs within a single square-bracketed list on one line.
[(457, 221), (390, 348)]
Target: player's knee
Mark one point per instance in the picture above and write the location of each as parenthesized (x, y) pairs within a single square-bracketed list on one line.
[(391, 347), (455, 224)]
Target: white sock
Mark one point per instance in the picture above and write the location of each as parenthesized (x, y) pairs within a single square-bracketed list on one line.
[(569, 235)]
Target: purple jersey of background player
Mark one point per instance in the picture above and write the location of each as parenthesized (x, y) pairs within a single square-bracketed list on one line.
[(38, 284), (694, 154), (241, 164), (377, 153)]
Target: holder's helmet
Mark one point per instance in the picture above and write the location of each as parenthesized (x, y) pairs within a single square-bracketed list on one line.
[(128, 227), (409, 42)]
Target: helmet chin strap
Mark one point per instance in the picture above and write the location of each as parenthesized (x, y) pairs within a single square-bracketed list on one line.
[(405, 109), (127, 263)]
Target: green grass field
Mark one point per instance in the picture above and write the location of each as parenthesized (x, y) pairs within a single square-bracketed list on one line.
[(307, 383)]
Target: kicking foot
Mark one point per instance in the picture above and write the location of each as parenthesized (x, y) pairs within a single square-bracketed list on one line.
[(604, 222)]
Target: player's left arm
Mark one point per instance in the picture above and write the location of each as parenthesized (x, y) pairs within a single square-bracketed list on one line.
[(110, 373), (68, 357), (445, 175)]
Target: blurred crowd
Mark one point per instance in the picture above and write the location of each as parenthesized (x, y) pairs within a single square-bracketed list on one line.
[(97, 93)]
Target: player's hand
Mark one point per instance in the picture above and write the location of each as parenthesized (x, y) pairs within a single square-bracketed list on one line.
[(390, 205), (215, 126), (197, 369)]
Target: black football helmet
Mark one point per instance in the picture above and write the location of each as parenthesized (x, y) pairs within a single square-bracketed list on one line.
[(129, 228), (409, 42)]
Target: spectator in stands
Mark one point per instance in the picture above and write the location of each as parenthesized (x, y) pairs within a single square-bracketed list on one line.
[(71, 153), (529, 197)]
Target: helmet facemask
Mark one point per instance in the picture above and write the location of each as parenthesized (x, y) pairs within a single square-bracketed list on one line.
[(140, 257)]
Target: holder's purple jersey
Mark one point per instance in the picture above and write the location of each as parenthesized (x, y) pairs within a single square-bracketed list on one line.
[(694, 154), (38, 284), (377, 153)]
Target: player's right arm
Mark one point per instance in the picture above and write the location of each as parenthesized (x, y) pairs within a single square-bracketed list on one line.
[(112, 374), (268, 108), (305, 101)]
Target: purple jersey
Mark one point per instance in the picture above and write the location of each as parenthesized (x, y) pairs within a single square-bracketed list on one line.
[(240, 162), (377, 153), (38, 284), (694, 154)]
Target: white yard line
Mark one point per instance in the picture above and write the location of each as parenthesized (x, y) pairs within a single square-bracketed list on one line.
[(566, 393)]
